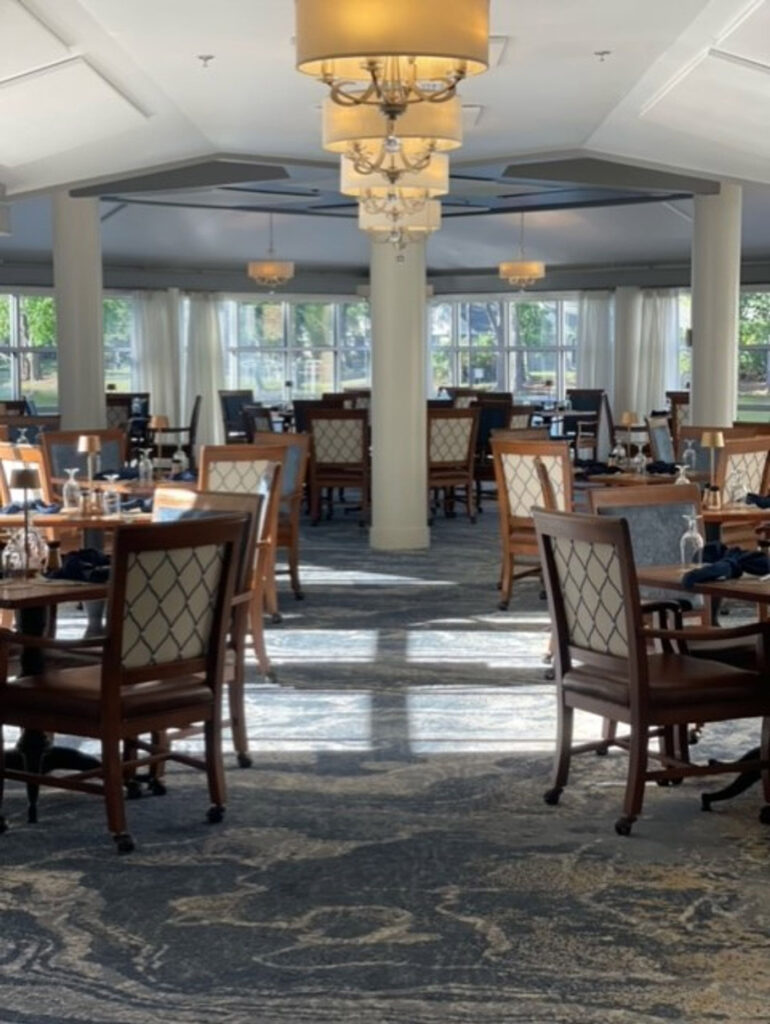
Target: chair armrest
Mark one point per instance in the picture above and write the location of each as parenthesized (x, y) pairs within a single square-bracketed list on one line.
[(8, 636), (709, 632)]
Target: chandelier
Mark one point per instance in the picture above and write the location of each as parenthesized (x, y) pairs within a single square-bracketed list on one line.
[(271, 273), (522, 273), (409, 195), (389, 147), (392, 54), (399, 226)]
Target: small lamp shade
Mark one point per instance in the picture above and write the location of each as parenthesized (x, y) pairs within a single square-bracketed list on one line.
[(25, 479), (158, 423), (89, 444), (712, 439), (628, 419)]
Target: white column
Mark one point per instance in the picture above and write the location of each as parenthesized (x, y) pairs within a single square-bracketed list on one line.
[(399, 460), (716, 279), (77, 271), (628, 329)]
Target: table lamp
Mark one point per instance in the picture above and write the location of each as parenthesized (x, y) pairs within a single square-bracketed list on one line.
[(627, 420), (27, 479), (90, 445), (712, 439)]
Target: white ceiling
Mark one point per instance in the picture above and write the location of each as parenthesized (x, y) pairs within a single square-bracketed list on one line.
[(90, 89)]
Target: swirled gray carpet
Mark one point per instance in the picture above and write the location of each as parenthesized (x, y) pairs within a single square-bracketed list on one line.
[(389, 857)]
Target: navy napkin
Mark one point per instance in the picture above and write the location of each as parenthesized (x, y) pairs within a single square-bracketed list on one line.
[(186, 476), (662, 467), (758, 500), (591, 468), (723, 563), (86, 565), (126, 473), (136, 505), (34, 506)]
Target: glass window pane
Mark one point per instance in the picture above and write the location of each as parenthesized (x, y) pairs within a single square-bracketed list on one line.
[(40, 378), (570, 370), (118, 336), (260, 324), (6, 376), (485, 324), (263, 373), (37, 341), (534, 324), (312, 373), (5, 320), (37, 316), (440, 324), (532, 375), (481, 368), (441, 370), (313, 324), (570, 323), (355, 345)]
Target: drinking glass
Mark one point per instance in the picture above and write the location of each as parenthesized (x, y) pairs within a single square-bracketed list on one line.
[(111, 499), (689, 456), (691, 542), (682, 478), (71, 490), (145, 466), (21, 437)]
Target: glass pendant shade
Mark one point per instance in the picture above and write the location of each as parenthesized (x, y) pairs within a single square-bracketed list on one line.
[(428, 183), (423, 221), (406, 51), (271, 273), (522, 273), (439, 127)]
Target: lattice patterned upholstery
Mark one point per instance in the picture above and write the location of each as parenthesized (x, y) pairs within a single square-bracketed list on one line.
[(519, 421), (748, 467), (338, 441), (169, 605), (238, 476), (117, 416), (464, 401), (589, 575), (523, 486), (449, 439)]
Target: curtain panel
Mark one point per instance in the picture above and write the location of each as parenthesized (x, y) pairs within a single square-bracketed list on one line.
[(595, 342), (157, 356), (204, 365)]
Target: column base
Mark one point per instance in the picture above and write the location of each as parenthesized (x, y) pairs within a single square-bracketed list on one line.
[(399, 538)]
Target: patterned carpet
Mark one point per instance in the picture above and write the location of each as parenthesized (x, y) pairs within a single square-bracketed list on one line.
[(389, 856)]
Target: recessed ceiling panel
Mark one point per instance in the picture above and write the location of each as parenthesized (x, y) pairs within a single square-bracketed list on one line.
[(751, 38), (60, 108), (25, 42), (719, 100)]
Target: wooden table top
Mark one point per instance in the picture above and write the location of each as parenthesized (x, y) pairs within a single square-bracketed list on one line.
[(669, 577), (41, 593), (735, 514), (74, 521), (630, 479)]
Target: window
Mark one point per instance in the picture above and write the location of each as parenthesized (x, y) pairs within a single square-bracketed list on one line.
[(28, 353), (304, 348), (754, 356), (118, 314), (524, 345)]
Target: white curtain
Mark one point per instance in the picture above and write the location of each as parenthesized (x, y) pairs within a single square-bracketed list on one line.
[(647, 353), (595, 342), (157, 352), (204, 366)]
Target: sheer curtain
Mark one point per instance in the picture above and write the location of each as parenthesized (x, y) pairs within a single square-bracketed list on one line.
[(204, 365), (157, 352), (647, 352), (595, 342)]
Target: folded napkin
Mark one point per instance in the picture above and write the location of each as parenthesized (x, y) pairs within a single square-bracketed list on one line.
[(759, 500), (662, 467), (86, 565), (136, 505), (34, 506), (723, 563), (126, 473), (186, 475), (591, 468)]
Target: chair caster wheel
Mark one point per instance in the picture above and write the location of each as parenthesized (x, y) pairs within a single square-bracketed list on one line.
[(215, 814), (705, 802), (156, 787), (543, 595), (473, 520), (623, 826), (693, 736), (549, 674), (124, 842), (503, 606), (3, 825), (275, 618), (664, 783), (244, 761), (551, 796), (133, 790), (299, 595), (32, 815), (602, 751), (764, 815), (271, 676)]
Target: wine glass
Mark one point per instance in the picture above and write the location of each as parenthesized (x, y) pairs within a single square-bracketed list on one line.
[(145, 466), (691, 542), (21, 436), (111, 499), (689, 455), (682, 478), (71, 489)]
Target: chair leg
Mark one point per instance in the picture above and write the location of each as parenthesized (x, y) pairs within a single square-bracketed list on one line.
[(3, 825), (563, 753), (609, 732), (315, 504), (764, 751), (112, 769), (506, 581), (215, 771), (237, 706), (637, 771), (471, 497), (296, 586), (256, 609), (270, 590)]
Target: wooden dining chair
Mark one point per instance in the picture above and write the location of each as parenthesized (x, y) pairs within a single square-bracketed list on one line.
[(518, 491), (451, 451), (60, 451), (247, 469), (662, 447), (161, 667), (604, 664), (293, 479), (180, 504), (232, 404), (339, 457)]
